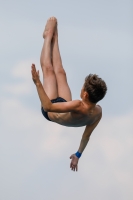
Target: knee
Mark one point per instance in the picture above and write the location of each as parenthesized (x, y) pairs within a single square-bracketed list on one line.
[(48, 69), (60, 71)]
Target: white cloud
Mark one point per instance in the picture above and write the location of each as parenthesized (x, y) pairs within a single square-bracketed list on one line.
[(22, 70), (21, 73), (19, 118), (19, 88)]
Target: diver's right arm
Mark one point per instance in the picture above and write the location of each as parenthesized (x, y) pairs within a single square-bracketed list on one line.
[(84, 141), (86, 135)]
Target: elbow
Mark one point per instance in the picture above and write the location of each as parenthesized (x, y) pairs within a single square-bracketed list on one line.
[(87, 137), (47, 108)]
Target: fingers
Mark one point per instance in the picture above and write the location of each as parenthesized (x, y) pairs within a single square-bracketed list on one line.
[(74, 163), (33, 68), (35, 74), (33, 65), (73, 167)]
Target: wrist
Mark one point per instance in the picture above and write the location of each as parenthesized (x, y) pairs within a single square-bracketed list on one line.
[(78, 154), (38, 83)]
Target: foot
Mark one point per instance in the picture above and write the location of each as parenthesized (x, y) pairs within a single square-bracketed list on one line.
[(50, 27), (55, 35)]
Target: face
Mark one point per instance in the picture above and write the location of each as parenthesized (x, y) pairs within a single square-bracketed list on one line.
[(82, 92)]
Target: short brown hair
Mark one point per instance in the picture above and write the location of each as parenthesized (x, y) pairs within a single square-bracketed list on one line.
[(95, 87)]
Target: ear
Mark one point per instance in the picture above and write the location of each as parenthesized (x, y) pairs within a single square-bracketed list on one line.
[(86, 95)]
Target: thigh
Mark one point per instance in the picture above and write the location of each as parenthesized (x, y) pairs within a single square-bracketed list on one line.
[(63, 87), (50, 84)]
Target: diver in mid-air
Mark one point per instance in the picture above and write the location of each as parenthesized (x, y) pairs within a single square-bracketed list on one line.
[(55, 95)]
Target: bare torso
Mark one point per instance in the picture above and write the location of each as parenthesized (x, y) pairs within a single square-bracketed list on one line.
[(86, 116)]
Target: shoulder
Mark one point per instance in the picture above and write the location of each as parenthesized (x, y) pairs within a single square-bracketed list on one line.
[(77, 101), (97, 115), (77, 104), (99, 111), (74, 102)]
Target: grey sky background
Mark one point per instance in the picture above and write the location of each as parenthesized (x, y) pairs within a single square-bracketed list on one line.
[(94, 37)]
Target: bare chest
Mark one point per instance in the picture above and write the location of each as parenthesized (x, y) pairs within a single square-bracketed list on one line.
[(71, 119)]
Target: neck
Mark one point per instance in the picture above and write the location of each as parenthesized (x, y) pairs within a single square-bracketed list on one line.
[(90, 104)]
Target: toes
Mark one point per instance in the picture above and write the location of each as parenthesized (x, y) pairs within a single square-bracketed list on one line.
[(52, 18)]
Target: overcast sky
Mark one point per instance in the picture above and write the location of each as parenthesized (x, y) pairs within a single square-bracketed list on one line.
[(94, 37)]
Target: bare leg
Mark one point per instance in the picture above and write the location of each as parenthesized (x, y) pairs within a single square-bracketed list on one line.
[(63, 87), (49, 78)]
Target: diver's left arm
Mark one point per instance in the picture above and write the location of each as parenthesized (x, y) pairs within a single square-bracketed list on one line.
[(83, 144), (45, 101)]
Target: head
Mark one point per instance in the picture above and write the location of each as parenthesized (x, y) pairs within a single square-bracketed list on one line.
[(94, 88)]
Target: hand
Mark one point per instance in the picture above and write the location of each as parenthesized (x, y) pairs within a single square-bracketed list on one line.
[(35, 74), (74, 162)]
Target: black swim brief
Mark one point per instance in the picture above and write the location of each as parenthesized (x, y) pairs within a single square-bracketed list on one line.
[(57, 100)]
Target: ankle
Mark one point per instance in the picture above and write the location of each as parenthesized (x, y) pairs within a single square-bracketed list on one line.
[(48, 39)]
